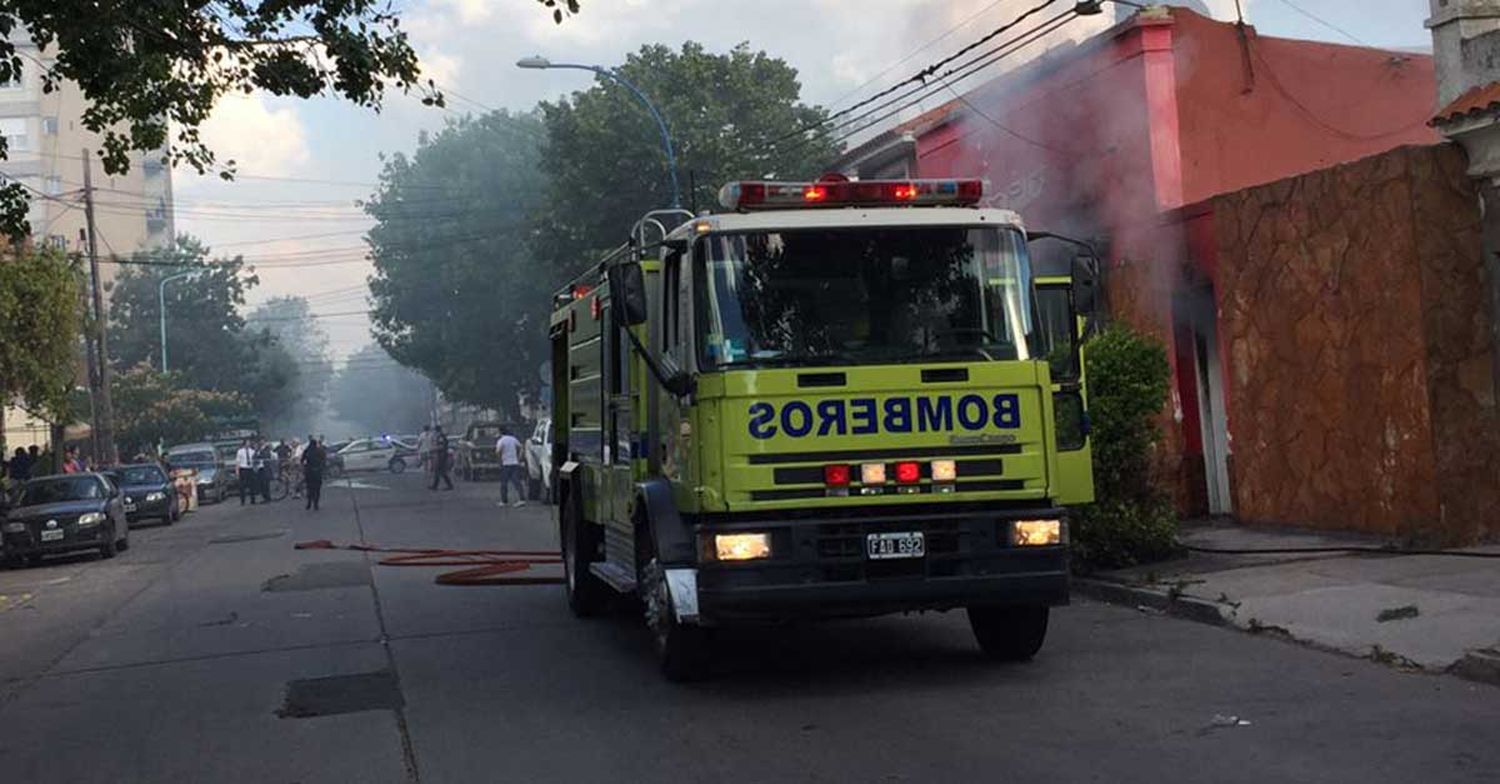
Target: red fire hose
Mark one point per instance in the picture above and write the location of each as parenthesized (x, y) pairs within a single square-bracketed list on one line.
[(486, 567)]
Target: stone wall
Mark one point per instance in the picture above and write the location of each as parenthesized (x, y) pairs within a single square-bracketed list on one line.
[(1360, 377)]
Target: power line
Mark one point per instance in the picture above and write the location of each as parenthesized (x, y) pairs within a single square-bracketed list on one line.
[(1323, 22)]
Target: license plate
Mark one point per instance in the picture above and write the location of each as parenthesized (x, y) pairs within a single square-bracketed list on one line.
[(129, 505), (52, 534), (904, 544)]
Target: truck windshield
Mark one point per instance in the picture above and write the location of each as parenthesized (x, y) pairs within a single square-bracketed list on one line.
[(864, 295)]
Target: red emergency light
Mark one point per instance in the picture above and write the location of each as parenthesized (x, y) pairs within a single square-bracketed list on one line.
[(766, 195)]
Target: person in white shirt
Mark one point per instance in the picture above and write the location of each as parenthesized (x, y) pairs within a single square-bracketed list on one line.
[(511, 470), (244, 465), (424, 447)]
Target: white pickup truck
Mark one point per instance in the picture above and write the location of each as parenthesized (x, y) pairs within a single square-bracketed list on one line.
[(538, 458)]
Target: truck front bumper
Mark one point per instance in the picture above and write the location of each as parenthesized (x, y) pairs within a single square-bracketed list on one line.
[(819, 567)]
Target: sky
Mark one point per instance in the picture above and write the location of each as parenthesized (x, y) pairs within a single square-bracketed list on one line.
[(304, 164)]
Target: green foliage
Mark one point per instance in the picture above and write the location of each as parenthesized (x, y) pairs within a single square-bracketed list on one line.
[(376, 395), (150, 70), (456, 294), (40, 320), (1132, 521), (152, 408), (207, 339), (723, 111)]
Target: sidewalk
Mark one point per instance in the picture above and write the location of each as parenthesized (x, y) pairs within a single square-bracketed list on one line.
[(1429, 613)]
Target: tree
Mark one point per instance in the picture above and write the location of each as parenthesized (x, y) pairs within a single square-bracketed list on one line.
[(147, 68), (156, 409), (488, 217), (206, 336), (289, 322), (725, 112), (374, 393), (456, 294), (40, 320)]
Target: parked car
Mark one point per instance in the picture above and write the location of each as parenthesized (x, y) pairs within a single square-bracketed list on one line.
[(375, 454), (538, 458), (66, 513), (148, 492), (476, 450), (216, 478)]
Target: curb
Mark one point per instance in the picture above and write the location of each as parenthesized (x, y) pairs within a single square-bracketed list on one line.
[(1185, 607), (1481, 666)]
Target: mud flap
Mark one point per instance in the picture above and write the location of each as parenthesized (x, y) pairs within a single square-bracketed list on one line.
[(682, 584)]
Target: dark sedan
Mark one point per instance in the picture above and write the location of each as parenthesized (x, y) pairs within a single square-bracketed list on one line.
[(148, 493), (66, 513)]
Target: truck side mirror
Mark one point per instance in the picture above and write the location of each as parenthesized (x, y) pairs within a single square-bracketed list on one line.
[(627, 287), (1085, 274), (677, 381)]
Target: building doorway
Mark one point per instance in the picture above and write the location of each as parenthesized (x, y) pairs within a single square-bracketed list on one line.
[(1198, 322)]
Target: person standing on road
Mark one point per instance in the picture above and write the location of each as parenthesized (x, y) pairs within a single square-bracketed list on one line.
[(244, 466), (440, 459), (424, 448), (265, 467), (314, 458), (20, 465), (511, 470)]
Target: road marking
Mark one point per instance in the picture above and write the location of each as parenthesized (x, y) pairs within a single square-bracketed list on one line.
[(8, 602), (355, 484)]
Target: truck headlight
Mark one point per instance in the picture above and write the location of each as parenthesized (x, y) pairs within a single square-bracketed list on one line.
[(742, 547), (15, 528), (155, 497), (92, 518), (1037, 533)]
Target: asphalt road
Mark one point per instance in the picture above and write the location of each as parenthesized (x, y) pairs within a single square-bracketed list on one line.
[(213, 651)]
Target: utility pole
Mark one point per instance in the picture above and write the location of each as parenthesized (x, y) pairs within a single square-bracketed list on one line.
[(104, 409)]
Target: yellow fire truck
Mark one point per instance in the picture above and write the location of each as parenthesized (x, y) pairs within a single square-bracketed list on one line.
[(836, 398)]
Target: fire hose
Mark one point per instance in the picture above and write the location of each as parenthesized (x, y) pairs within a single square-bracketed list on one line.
[(485, 567)]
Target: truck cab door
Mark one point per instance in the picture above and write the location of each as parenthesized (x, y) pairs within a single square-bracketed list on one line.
[(1063, 329), (619, 435)]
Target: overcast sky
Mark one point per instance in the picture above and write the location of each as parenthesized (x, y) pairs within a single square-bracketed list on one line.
[(306, 235)]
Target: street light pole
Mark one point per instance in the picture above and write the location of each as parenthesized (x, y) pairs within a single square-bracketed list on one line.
[(161, 298), (539, 63)]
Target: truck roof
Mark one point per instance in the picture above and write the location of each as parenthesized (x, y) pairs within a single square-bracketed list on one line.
[(771, 220)]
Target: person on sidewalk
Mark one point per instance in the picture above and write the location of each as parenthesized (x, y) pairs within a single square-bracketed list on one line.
[(440, 459), (244, 466), (511, 470), (314, 459)]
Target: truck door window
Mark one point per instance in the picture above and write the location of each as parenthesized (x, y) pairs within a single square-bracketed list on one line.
[(1059, 329)]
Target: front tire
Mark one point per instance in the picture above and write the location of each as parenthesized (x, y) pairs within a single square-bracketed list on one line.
[(682, 650), (1009, 633), (587, 594), (397, 465)]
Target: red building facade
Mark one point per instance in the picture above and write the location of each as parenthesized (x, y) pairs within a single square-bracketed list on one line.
[(1127, 139)]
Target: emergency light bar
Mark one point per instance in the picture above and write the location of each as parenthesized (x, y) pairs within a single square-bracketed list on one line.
[(763, 195)]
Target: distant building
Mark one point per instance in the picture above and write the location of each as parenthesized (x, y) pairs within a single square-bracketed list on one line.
[(46, 138)]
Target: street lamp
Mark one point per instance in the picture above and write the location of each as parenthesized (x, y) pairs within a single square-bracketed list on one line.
[(540, 63), (161, 298)]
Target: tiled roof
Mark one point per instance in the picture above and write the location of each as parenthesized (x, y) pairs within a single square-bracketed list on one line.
[(1478, 100)]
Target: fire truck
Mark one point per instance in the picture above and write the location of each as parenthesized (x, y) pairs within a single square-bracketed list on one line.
[(834, 398)]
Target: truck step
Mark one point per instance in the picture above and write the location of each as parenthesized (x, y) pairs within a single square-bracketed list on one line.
[(614, 575)]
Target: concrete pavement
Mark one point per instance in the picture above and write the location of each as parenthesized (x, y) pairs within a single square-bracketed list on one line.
[(1434, 613), (213, 651)]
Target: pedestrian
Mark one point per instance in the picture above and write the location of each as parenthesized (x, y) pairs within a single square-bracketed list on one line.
[(424, 448), (20, 465), (440, 459), (265, 467), (511, 470), (244, 465), (33, 460), (70, 461), (314, 458)]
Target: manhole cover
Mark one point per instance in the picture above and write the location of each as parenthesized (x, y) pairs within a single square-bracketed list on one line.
[(232, 538), (337, 694), (311, 577)]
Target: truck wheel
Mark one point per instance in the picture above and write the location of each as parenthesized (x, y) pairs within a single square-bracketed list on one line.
[(586, 593), (1009, 633), (681, 650)]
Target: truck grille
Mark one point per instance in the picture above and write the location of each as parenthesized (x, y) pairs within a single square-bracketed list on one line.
[(841, 550)]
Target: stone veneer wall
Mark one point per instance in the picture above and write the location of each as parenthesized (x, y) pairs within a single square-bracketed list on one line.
[(1361, 391)]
